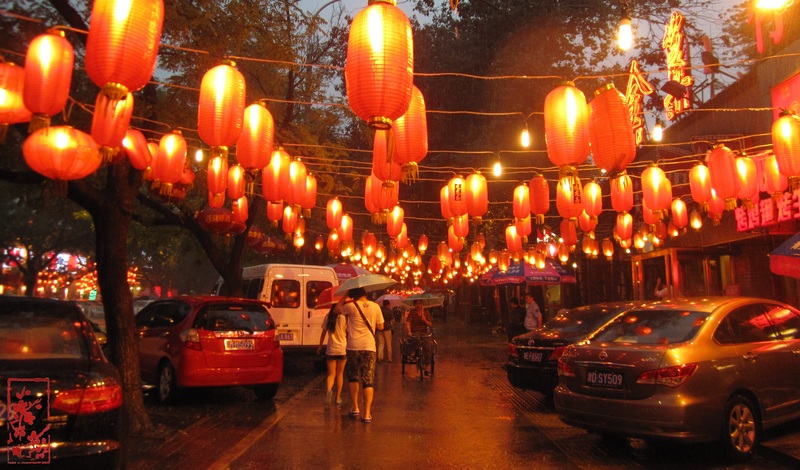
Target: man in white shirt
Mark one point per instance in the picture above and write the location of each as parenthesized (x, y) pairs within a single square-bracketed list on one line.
[(533, 317)]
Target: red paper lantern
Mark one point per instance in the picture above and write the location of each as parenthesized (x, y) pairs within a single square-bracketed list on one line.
[(383, 197), (379, 72), (539, 197), (722, 171), (289, 220), (169, 162), (254, 147), (240, 209), (608, 249), (220, 111), (648, 215), (215, 219), (461, 225), (275, 177), (524, 227), (513, 239), (401, 241), (110, 123), (444, 202), (454, 242), (411, 136), (569, 234), (346, 229), (456, 189), (274, 212), (593, 199), (785, 145), (566, 126), (700, 183), (611, 132), (680, 214), (624, 227), (137, 150), (774, 181), (522, 201), (748, 180), (217, 175), (716, 206), (656, 191), (622, 193), (569, 200), (297, 183), (235, 182), (422, 245), (476, 197), (122, 45), (333, 214), (310, 200), (333, 241), (587, 222), (216, 200), (48, 76), (187, 177), (383, 165), (12, 106), (61, 153), (395, 221)]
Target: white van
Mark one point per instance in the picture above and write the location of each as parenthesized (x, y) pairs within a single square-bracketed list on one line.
[(291, 291)]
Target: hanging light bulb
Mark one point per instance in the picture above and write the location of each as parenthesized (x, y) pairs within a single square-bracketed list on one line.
[(658, 131), (497, 170), (525, 137), (625, 33)]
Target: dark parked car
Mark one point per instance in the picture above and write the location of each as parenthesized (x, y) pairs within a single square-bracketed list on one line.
[(57, 387), (209, 341), (533, 356), (692, 370)]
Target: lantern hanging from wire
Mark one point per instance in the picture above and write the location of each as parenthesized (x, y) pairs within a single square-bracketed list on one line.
[(401, 241), (240, 209), (274, 212), (476, 197), (680, 214), (716, 206), (169, 162), (220, 111), (217, 175), (566, 128), (524, 228), (235, 182), (611, 132), (593, 200), (622, 193), (608, 249), (379, 71), (444, 203), (461, 225), (586, 222), (110, 122), (454, 242), (333, 241), (346, 228), (700, 184), (411, 137), (383, 198), (775, 183), (297, 185), (255, 143), (289, 221), (136, 149), (539, 197), (394, 221), (456, 192), (48, 76), (722, 173), (12, 105), (310, 201), (333, 214), (785, 145), (383, 165), (218, 200), (569, 234), (624, 225), (569, 198), (748, 180), (275, 177), (422, 244), (656, 191), (521, 203), (61, 153)]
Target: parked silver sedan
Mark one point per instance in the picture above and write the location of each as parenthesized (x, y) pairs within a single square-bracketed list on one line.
[(692, 370)]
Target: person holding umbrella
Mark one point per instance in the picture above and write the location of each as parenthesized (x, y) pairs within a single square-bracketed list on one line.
[(364, 318)]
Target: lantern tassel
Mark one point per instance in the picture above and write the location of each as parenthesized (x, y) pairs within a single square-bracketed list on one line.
[(410, 172), (114, 91), (218, 151), (539, 219), (730, 204), (108, 153), (38, 121)]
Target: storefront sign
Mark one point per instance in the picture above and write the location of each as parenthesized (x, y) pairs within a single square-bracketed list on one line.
[(634, 95), (786, 95), (674, 45), (769, 211)]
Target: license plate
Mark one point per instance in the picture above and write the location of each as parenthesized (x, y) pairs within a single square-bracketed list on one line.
[(285, 336), (531, 356), (240, 344), (604, 379)]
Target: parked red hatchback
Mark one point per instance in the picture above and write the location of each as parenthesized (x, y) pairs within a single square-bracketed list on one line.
[(205, 341)]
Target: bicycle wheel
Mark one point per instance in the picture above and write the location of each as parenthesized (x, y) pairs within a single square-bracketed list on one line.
[(420, 364)]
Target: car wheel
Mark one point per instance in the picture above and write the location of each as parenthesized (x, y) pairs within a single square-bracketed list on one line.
[(167, 383), (741, 429), (266, 392)]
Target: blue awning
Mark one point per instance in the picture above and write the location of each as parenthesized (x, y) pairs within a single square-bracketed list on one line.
[(785, 260)]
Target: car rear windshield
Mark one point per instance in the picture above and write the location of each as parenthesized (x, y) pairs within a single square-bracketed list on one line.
[(228, 317), (653, 327), (581, 320), (40, 335)]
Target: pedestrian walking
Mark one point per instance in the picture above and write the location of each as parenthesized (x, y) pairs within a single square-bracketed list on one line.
[(384, 336), (364, 318), (533, 317), (334, 326)]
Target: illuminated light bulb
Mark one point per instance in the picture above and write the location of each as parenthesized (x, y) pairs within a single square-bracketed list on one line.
[(771, 4), (198, 156), (525, 138), (658, 131), (625, 34), (497, 170), (696, 220)]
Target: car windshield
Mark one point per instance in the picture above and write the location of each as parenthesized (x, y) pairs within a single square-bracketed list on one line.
[(582, 320), (229, 317), (39, 335), (653, 327)]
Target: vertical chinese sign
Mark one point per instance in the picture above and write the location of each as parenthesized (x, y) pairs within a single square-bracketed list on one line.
[(676, 49), (634, 95)]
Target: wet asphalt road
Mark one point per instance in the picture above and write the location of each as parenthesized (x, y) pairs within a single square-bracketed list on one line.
[(466, 416)]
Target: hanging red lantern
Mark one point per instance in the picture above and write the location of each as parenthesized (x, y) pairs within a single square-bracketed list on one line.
[(656, 191), (346, 228), (648, 215), (422, 245), (289, 220), (274, 212), (587, 222), (461, 225), (593, 199), (444, 202), (513, 239), (748, 180), (254, 147), (454, 242), (216, 200), (401, 241), (275, 177), (680, 214), (333, 214), (566, 127), (456, 188), (297, 183), (217, 175), (522, 201), (12, 106), (716, 206), (622, 193), (168, 163), (434, 265), (624, 227), (383, 198), (239, 209), (700, 184), (137, 150), (215, 219), (775, 183), (569, 234), (785, 145), (48, 76), (235, 182), (333, 241), (379, 71), (524, 228), (608, 249), (310, 200), (722, 171), (187, 177), (411, 137), (394, 221), (569, 200), (539, 197), (110, 122), (476, 197), (370, 243), (61, 153), (220, 111), (122, 45), (695, 220), (611, 131), (383, 166)]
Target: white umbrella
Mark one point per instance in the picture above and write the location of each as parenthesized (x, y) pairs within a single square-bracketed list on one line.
[(428, 300), (369, 282), (394, 300)]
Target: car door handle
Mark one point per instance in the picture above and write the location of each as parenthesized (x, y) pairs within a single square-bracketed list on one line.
[(749, 357)]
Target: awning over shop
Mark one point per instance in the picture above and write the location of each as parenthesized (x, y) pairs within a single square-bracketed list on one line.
[(785, 260)]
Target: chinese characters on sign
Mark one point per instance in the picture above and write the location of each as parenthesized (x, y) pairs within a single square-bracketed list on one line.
[(674, 45), (782, 208), (634, 94), (28, 402)]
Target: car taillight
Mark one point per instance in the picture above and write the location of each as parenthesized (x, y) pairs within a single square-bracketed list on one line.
[(669, 376), (564, 369), (191, 339), (512, 349), (89, 400), (557, 353)]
